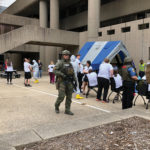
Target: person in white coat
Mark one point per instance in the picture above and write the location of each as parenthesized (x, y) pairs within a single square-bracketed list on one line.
[(35, 68), (76, 71)]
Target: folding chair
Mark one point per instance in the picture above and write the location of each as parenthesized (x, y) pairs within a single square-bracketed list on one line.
[(148, 96), (147, 104), (115, 90), (142, 90), (91, 88)]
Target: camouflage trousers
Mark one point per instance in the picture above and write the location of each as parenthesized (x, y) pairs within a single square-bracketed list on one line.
[(65, 89)]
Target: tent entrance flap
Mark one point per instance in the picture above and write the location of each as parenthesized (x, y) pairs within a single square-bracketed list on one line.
[(96, 52)]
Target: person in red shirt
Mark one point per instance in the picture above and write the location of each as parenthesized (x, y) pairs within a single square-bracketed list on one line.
[(6, 61)]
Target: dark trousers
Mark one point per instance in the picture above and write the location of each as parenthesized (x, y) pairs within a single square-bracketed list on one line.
[(52, 77), (80, 77), (128, 91), (141, 74), (40, 74), (102, 84), (9, 76)]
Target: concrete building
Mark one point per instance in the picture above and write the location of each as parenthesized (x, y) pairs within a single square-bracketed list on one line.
[(42, 28)]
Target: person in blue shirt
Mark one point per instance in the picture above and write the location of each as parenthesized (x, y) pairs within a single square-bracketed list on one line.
[(129, 78)]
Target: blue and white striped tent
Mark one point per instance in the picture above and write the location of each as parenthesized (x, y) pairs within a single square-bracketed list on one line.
[(96, 52)]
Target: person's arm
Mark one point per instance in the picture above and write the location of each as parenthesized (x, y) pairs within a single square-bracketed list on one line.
[(40, 65), (48, 68), (111, 71), (30, 67), (84, 71), (134, 78), (132, 74), (57, 70), (33, 65), (78, 68)]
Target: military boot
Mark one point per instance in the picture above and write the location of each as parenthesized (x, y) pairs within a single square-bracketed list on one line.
[(69, 113), (56, 109)]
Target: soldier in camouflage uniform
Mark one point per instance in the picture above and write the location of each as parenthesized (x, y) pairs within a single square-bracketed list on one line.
[(64, 82)]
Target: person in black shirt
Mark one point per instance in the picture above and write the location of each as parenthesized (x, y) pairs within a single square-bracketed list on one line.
[(40, 69)]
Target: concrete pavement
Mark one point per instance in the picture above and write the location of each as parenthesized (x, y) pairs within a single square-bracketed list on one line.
[(27, 114)]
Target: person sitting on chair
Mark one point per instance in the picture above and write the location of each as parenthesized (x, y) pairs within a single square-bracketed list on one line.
[(118, 83), (92, 78), (92, 81)]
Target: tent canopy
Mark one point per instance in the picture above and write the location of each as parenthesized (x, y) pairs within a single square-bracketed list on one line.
[(96, 52)]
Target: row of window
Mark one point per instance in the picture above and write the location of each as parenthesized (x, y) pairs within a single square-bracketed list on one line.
[(126, 29), (78, 7), (128, 18)]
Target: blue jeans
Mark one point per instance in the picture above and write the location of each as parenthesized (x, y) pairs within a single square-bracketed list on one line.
[(40, 74)]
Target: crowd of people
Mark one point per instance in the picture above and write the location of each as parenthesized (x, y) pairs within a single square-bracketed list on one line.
[(84, 77), (125, 79)]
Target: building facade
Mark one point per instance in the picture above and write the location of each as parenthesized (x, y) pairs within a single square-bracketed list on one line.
[(43, 28)]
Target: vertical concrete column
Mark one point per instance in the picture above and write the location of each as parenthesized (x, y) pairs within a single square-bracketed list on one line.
[(93, 19), (54, 14), (54, 24), (43, 13), (43, 17)]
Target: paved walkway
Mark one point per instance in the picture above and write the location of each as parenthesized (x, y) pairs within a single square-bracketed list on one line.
[(27, 114)]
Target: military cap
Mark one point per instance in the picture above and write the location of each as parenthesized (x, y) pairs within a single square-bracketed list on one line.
[(66, 52)]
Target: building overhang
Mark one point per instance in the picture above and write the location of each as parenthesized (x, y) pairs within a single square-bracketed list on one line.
[(19, 6)]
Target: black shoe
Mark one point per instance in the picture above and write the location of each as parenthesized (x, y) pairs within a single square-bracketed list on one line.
[(69, 113), (105, 101), (57, 110), (29, 85)]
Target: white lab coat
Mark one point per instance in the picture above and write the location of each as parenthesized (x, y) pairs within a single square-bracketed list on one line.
[(35, 68), (76, 70)]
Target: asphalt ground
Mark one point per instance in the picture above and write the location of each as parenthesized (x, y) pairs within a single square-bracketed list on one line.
[(24, 109)]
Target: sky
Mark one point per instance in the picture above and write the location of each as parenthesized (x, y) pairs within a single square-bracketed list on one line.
[(6, 3)]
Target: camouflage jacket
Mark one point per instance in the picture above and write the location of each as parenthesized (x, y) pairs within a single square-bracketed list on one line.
[(64, 71)]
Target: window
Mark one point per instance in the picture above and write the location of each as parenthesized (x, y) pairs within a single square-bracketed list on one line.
[(126, 29), (80, 29), (100, 33), (143, 26), (141, 15), (110, 32)]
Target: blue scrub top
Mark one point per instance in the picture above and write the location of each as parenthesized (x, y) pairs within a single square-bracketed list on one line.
[(131, 71)]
